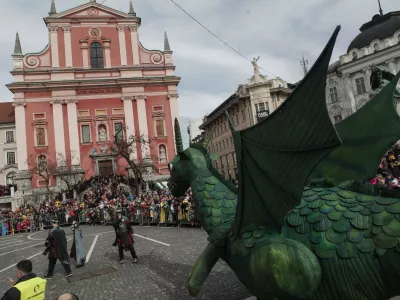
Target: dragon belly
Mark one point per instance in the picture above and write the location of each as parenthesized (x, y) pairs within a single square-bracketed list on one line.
[(275, 267)]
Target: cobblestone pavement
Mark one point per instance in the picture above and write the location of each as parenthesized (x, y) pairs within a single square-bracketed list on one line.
[(165, 259)]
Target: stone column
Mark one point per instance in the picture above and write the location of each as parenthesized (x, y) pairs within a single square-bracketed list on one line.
[(107, 51), (173, 105), (73, 132), (20, 124), (85, 52), (122, 44), (368, 72), (135, 44), (68, 46), (349, 91), (392, 66), (54, 46), (143, 128), (59, 135), (129, 120)]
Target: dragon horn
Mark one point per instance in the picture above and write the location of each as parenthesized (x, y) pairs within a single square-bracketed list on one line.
[(178, 137)]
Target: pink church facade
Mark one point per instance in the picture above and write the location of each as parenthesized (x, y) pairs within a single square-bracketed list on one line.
[(93, 79)]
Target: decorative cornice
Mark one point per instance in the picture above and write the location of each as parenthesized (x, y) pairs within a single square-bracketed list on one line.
[(173, 95), (52, 102), (392, 60), (66, 28), (53, 28), (19, 103), (120, 28), (133, 28), (71, 101), (140, 97), (127, 98)]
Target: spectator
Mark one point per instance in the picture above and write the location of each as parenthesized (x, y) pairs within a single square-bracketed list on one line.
[(68, 296), (28, 286)]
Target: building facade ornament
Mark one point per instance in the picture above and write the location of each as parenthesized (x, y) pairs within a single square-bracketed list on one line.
[(127, 98), (121, 28), (95, 32), (140, 97), (19, 103), (66, 28), (57, 101), (133, 28), (173, 95), (69, 101), (53, 28)]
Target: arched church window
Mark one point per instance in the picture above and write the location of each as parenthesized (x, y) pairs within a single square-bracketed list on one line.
[(376, 47), (96, 55), (42, 162), (162, 154), (102, 133)]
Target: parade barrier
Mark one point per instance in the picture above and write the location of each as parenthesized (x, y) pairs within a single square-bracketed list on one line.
[(144, 216)]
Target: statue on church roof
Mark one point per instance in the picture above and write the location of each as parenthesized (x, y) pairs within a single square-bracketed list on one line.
[(255, 65), (379, 79)]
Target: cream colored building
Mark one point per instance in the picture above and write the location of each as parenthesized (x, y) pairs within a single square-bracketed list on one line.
[(250, 104), (8, 147), (348, 81)]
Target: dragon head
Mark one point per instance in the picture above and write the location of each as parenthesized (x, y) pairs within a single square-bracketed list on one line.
[(186, 163)]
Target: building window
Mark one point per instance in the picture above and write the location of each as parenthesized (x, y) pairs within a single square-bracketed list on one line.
[(333, 94), (223, 143), (85, 133), (10, 158), (244, 115), (355, 56), (160, 127), (360, 83), (337, 118), (10, 136), (227, 161), (118, 131), (376, 47), (40, 137), (237, 118), (231, 141), (234, 158), (162, 154), (96, 55)]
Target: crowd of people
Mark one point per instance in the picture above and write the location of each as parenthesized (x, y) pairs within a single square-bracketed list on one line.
[(97, 204), (388, 174)]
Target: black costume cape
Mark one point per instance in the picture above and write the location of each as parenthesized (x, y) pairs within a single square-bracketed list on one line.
[(58, 235)]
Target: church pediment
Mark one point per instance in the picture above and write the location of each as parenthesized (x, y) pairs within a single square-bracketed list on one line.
[(90, 10)]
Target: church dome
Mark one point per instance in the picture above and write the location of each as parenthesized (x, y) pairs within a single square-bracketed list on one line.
[(379, 28)]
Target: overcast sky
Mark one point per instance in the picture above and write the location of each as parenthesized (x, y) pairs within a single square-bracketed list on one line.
[(278, 31)]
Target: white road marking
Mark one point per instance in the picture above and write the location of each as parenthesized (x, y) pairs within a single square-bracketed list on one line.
[(42, 243), (155, 241), (29, 236), (91, 248), (16, 244), (30, 257)]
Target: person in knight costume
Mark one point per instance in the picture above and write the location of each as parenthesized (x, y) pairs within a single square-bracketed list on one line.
[(56, 248), (123, 237), (78, 248)]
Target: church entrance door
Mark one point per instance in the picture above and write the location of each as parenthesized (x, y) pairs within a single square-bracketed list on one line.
[(106, 167)]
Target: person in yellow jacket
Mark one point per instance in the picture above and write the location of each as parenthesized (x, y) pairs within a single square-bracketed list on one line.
[(28, 286)]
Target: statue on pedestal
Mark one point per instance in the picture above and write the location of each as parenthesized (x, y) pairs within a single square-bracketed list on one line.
[(379, 79), (255, 65), (102, 134)]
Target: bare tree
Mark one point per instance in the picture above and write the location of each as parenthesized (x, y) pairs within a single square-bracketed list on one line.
[(45, 168), (127, 148)]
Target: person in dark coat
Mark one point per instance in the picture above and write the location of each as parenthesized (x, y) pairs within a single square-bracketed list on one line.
[(56, 248), (123, 237), (78, 247)]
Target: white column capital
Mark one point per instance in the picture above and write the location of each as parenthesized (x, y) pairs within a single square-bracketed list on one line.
[(53, 28), (140, 97), (19, 104), (173, 95), (53, 102), (120, 28), (127, 98), (66, 28), (71, 101), (133, 27)]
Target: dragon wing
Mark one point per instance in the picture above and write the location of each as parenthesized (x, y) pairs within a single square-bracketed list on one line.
[(365, 135), (276, 156)]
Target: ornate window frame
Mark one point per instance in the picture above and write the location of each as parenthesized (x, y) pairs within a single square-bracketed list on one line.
[(44, 125), (166, 153), (81, 124)]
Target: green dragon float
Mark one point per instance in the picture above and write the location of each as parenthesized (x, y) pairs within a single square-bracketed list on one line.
[(302, 224)]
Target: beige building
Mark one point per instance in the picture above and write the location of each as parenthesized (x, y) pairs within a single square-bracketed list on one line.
[(250, 104)]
